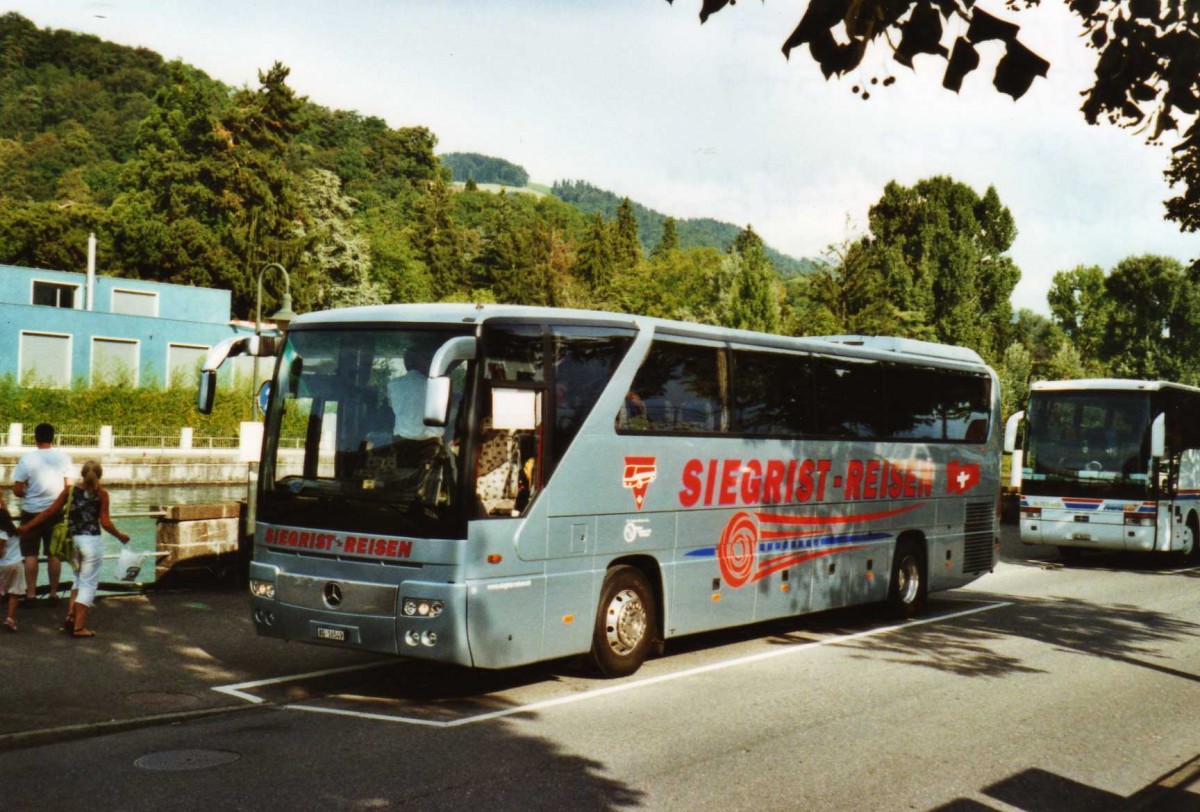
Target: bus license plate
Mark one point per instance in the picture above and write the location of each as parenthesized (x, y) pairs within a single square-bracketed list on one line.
[(1081, 536), (1083, 519), (332, 634)]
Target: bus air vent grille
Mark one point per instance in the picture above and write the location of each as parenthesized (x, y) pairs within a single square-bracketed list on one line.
[(978, 537)]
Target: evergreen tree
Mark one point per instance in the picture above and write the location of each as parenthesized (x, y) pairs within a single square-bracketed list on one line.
[(626, 250), (595, 265), (669, 240), (439, 242), (749, 294)]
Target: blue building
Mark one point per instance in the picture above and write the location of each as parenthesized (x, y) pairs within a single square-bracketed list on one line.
[(55, 330)]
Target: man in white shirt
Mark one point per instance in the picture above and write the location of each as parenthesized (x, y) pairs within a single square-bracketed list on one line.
[(407, 397), (40, 476)]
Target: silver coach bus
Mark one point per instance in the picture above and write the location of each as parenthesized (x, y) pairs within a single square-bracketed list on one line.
[(497, 485)]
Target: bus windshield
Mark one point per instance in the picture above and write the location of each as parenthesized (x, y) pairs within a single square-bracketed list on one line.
[(1087, 443), (347, 447)]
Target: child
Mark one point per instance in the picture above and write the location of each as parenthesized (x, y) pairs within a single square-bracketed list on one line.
[(12, 575), (89, 512)]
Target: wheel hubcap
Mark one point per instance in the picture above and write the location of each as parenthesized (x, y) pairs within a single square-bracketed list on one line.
[(625, 623), (909, 579)]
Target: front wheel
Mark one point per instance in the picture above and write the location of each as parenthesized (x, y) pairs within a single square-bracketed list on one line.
[(625, 623), (1192, 557), (908, 590)]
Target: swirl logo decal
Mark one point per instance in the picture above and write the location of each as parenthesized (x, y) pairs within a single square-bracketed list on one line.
[(756, 544)]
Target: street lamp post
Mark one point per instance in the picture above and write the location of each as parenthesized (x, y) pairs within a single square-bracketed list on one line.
[(282, 317)]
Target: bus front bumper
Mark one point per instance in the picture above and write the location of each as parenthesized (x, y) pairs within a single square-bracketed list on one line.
[(418, 619), (1065, 531)]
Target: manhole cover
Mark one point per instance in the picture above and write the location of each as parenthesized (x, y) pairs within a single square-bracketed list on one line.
[(186, 759), (163, 699)]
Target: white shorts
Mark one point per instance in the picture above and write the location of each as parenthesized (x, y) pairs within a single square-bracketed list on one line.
[(12, 578), (89, 556)]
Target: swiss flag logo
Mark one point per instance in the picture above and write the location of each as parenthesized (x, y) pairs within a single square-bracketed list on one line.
[(961, 477)]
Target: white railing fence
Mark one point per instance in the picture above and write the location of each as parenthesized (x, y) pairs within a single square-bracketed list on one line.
[(79, 436)]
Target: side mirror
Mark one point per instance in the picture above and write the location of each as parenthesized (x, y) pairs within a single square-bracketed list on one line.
[(437, 390), (207, 391), (461, 348), (437, 401), (1010, 431), (1158, 437)]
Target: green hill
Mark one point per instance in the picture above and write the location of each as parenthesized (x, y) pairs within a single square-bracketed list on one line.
[(693, 233)]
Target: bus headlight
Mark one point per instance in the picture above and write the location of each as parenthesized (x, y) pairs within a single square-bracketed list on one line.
[(420, 607), (262, 589)]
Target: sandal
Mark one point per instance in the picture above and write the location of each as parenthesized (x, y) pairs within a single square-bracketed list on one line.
[(83, 633), (10, 625)]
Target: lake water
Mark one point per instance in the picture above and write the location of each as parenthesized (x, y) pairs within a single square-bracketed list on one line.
[(141, 529)]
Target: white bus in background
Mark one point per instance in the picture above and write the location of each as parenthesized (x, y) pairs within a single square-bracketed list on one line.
[(497, 485), (1109, 465)]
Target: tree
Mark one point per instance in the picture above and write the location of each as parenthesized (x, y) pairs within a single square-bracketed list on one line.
[(747, 287), (208, 196), (846, 295), (1081, 308), (669, 240), (626, 249), (595, 265), (1148, 58), (1153, 327), (941, 252), (1014, 371), (439, 242), (335, 264)]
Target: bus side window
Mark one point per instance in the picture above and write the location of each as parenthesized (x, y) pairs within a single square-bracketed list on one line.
[(679, 388), (772, 394), (849, 397)]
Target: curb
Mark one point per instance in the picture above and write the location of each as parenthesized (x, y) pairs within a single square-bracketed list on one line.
[(57, 735)]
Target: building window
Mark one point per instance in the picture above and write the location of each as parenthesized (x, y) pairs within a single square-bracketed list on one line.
[(54, 294), (45, 360), (183, 363), (115, 361), (134, 302)]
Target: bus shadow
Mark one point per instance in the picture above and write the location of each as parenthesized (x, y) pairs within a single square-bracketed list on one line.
[(1035, 790), (1118, 632), (1142, 563)]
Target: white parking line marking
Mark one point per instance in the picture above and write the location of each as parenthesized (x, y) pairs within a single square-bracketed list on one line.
[(235, 690)]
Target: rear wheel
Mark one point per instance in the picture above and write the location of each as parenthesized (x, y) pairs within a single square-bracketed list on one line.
[(625, 623), (908, 591)]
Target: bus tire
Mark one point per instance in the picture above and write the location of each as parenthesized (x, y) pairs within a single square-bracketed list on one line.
[(1193, 556), (908, 589), (626, 620)]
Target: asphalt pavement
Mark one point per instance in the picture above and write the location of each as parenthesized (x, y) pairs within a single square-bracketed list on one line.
[(160, 655)]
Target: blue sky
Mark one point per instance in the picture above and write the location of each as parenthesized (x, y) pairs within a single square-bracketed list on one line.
[(695, 121)]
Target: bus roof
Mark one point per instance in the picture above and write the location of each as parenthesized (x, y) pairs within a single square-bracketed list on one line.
[(875, 347), (1108, 384)]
